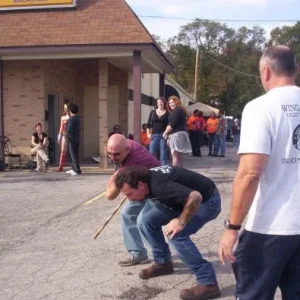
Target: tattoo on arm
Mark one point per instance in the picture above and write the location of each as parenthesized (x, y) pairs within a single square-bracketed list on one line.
[(192, 204)]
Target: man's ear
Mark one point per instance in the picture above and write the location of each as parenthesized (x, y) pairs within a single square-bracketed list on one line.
[(267, 74)]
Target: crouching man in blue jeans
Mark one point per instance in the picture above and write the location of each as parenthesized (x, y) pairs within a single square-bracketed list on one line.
[(184, 201)]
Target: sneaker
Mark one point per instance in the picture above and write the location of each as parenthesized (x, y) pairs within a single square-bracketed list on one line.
[(69, 172), (157, 270), (201, 292), (73, 173), (38, 170), (133, 260), (96, 159)]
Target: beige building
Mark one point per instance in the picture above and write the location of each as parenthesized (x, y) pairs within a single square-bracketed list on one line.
[(151, 91), (86, 54)]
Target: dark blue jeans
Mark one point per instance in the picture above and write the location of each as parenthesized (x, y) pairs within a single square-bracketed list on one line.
[(155, 215), (264, 262), (158, 143)]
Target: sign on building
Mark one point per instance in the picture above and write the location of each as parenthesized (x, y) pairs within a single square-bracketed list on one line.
[(35, 4)]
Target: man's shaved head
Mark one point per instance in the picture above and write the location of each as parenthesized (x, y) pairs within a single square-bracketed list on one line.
[(118, 147), (116, 142)]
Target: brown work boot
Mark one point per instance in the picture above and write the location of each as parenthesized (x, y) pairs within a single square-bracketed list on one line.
[(201, 292), (157, 270)]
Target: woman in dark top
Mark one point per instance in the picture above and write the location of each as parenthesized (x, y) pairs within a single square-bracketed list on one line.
[(176, 133), (39, 143), (157, 124)]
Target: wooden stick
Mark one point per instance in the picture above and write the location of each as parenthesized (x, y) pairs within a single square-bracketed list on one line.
[(107, 221)]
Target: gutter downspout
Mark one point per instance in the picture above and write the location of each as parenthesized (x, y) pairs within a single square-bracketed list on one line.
[(1, 117)]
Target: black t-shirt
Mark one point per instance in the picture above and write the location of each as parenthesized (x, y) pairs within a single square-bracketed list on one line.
[(37, 140), (171, 186), (177, 120), (158, 123), (73, 128)]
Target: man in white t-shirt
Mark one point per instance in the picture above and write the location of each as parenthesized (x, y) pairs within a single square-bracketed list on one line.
[(267, 185)]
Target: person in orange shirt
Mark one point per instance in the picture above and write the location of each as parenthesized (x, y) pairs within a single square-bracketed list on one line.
[(211, 128), (190, 124), (144, 137)]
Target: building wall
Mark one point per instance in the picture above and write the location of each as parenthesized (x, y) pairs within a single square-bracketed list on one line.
[(150, 88), (24, 102)]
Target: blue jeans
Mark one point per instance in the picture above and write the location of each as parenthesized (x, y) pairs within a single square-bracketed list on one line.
[(158, 143), (131, 235), (155, 215), (236, 141), (220, 142)]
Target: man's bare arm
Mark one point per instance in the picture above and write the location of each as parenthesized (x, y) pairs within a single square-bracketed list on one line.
[(245, 185), (112, 192), (192, 204)]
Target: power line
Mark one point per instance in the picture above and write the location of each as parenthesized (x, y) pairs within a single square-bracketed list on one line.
[(231, 69), (219, 20)]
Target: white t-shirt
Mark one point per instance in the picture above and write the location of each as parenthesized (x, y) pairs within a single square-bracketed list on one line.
[(271, 125)]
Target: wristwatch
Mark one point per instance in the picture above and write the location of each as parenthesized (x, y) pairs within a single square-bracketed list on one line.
[(228, 225)]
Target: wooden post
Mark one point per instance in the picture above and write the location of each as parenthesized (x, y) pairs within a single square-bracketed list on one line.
[(196, 74), (137, 94), (1, 118)]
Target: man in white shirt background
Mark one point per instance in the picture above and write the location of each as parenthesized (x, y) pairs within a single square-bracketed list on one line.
[(267, 185)]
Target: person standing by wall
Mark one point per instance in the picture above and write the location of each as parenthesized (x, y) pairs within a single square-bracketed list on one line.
[(267, 186), (211, 127), (40, 142), (178, 138), (73, 136), (61, 139), (157, 123)]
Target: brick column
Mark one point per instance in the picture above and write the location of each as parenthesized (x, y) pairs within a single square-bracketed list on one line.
[(137, 94), (103, 111), (123, 105), (1, 117)]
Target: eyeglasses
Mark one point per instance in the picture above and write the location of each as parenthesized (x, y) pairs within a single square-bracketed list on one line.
[(115, 153)]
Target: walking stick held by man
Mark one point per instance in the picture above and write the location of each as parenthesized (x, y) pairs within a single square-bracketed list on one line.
[(112, 215)]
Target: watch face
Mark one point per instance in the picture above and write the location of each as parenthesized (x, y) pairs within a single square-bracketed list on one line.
[(226, 224)]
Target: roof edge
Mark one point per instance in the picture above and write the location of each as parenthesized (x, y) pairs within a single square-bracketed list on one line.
[(46, 49), (153, 40)]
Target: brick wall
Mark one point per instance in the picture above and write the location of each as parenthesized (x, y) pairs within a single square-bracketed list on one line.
[(119, 77), (28, 83), (24, 102)]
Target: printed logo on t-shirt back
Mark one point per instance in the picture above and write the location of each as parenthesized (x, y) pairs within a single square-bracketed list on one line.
[(296, 137), (163, 169), (296, 144)]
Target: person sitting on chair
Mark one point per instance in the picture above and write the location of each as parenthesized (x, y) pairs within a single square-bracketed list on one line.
[(39, 143)]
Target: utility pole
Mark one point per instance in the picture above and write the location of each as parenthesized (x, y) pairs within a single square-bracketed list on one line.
[(196, 73)]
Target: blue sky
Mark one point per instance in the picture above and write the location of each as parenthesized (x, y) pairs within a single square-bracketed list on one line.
[(214, 9)]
